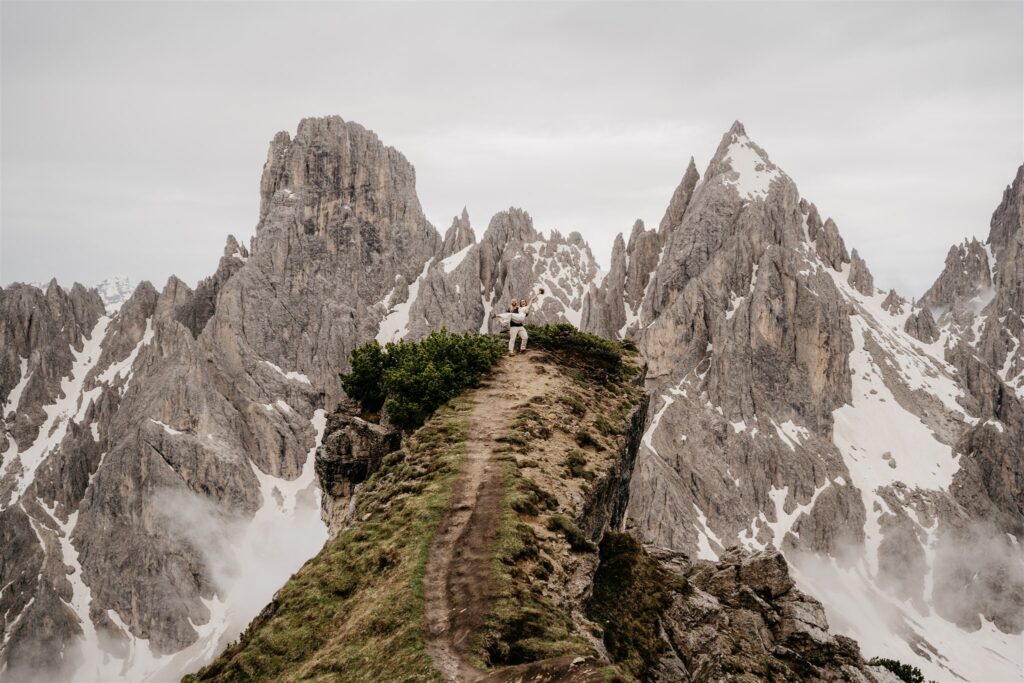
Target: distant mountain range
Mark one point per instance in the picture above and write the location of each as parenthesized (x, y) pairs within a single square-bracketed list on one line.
[(113, 291)]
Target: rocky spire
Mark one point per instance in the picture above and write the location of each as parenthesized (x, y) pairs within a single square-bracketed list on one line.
[(894, 303), (1009, 215), (921, 325), (966, 273), (814, 224), (831, 247), (860, 277), (459, 236), (512, 226), (680, 200), (604, 311)]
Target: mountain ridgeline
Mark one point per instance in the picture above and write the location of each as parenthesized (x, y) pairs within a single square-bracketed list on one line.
[(774, 428)]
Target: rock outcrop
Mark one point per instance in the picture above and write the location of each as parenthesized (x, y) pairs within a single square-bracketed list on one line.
[(894, 303), (860, 277), (204, 399), (964, 280), (352, 450), (921, 325), (743, 618)]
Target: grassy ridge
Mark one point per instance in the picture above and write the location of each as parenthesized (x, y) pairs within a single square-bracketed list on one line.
[(355, 612), (538, 537)]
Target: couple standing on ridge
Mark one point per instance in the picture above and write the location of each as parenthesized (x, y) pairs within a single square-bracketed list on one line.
[(515, 317)]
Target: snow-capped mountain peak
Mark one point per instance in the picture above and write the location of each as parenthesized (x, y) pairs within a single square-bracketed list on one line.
[(114, 291)]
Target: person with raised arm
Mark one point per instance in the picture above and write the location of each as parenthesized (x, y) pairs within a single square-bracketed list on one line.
[(515, 317)]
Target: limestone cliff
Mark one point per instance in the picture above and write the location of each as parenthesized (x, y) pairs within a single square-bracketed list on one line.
[(796, 407)]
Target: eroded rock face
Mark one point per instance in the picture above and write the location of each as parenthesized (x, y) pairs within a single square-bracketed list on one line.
[(352, 450), (604, 308), (459, 236), (860, 277), (749, 345), (770, 355), (742, 618), (967, 274), (41, 333), (921, 325)]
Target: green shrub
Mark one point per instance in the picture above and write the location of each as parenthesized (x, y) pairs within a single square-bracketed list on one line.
[(605, 427), (576, 347), (905, 672), (578, 541), (575, 405), (411, 379), (576, 463), (364, 382), (585, 439)]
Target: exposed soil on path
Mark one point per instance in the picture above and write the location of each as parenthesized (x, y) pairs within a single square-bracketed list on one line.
[(458, 579)]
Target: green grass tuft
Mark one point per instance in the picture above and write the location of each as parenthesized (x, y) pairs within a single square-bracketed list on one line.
[(578, 541)]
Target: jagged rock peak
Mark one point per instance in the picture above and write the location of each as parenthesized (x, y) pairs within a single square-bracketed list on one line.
[(967, 272), (575, 238), (814, 224), (860, 277), (638, 228), (831, 247), (335, 167), (53, 288), (680, 200), (176, 293), (511, 225), (894, 303), (232, 249), (921, 325), (743, 164), (1008, 218), (459, 236), (619, 249)]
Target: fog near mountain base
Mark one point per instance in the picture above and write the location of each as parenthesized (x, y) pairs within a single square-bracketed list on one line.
[(247, 560), (971, 569), (980, 567)]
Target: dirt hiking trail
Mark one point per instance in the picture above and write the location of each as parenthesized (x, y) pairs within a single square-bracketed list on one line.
[(458, 579)]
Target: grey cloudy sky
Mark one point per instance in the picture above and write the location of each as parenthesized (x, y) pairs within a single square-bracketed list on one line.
[(133, 135)]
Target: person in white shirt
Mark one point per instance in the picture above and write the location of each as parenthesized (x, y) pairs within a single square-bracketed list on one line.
[(515, 317)]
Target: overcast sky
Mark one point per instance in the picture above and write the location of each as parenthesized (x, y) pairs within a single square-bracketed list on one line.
[(133, 135)]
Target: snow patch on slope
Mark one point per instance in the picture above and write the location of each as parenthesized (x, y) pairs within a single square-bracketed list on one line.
[(68, 407), (754, 174), (294, 376), (14, 397), (882, 443), (882, 625), (455, 260), (395, 324)]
